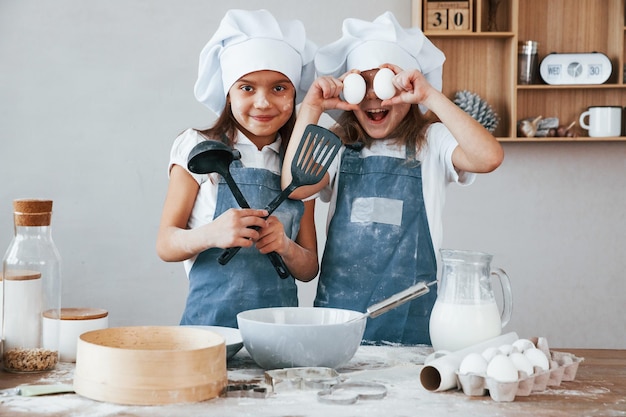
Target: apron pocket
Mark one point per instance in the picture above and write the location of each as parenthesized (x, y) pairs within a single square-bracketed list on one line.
[(376, 210)]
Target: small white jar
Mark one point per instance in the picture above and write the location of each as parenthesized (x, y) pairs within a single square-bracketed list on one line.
[(73, 323)]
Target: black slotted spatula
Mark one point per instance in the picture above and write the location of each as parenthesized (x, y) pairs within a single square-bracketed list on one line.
[(316, 151)]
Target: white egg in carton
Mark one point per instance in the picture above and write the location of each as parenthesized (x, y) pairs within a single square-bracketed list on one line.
[(515, 370)]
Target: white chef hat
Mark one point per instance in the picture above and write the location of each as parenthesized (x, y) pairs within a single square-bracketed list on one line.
[(248, 41), (366, 45)]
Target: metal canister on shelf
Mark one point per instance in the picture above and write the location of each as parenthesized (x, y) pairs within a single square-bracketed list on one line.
[(31, 272), (527, 64)]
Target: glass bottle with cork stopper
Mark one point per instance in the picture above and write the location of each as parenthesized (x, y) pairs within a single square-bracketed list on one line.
[(31, 272)]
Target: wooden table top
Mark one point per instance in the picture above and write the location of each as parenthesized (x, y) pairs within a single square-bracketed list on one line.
[(599, 389)]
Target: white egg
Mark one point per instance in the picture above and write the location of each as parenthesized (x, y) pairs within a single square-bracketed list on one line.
[(521, 362), (523, 344), (490, 352), (537, 358), (383, 84), (502, 369), (353, 88), (473, 363), (506, 349)]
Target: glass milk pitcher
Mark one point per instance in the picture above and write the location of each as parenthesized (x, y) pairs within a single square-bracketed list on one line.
[(465, 312)]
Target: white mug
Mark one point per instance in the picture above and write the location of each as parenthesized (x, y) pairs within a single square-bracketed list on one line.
[(604, 121)]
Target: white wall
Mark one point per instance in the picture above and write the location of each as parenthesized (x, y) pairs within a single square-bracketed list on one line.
[(93, 93)]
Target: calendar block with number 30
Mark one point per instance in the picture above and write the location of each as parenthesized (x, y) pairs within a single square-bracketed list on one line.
[(448, 15)]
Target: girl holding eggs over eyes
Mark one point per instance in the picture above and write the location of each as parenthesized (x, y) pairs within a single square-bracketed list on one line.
[(404, 143)]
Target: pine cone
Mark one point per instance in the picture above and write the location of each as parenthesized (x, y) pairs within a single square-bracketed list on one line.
[(479, 109)]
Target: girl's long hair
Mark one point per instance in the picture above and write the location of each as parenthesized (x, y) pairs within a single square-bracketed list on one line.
[(225, 127), (411, 131)]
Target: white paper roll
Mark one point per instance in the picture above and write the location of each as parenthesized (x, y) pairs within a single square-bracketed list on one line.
[(440, 374)]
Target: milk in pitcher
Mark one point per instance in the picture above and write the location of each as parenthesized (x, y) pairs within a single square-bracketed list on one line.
[(456, 326)]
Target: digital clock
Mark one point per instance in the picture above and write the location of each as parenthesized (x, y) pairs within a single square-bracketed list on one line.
[(586, 68)]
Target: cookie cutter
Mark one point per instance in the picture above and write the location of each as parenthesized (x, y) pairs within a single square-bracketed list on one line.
[(302, 378), (245, 390), (351, 392)]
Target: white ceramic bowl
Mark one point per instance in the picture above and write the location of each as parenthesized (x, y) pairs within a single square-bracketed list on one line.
[(287, 337)]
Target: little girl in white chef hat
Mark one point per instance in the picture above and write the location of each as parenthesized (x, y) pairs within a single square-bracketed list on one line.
[(387, 188), (250, 74)]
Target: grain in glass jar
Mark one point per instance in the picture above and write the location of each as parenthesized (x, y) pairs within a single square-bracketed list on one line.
[(31, 272)]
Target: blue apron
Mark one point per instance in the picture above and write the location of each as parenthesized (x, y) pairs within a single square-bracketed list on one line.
[(249, 281), (379, 244)]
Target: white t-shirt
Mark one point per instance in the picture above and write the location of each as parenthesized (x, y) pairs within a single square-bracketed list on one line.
[(437, 172), (206, 200)]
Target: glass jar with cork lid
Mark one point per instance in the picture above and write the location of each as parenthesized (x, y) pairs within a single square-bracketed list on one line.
[(31, 279)]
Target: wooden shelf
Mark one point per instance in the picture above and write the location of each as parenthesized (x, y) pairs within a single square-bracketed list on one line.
[(572, 87), (557, 139), (435, 34), (485, 62)]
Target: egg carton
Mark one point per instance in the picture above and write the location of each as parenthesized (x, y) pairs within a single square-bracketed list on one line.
[(563, 367)]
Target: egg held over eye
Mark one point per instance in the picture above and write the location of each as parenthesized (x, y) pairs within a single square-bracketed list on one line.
[(383, 84), (353, 88)]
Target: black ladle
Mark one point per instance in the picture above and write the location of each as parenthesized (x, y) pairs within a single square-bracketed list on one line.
[(213, 156)]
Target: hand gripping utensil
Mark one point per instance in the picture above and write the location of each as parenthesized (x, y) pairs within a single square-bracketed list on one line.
[(214, 156), (316, 151), (395, 300)]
